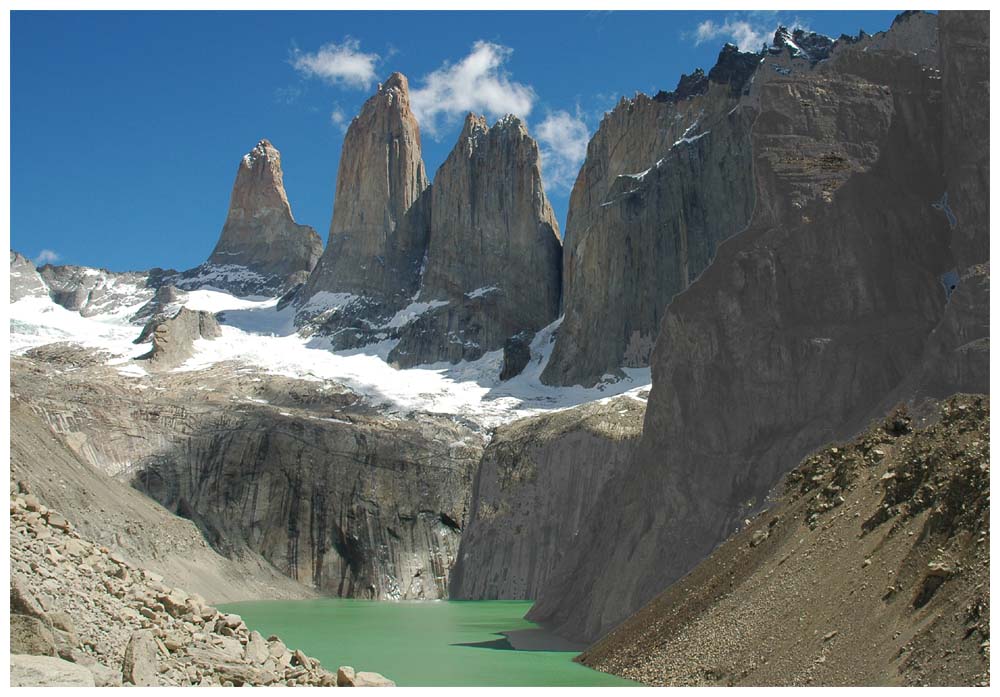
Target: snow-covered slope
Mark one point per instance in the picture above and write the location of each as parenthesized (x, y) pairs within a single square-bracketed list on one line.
[(257, 335)]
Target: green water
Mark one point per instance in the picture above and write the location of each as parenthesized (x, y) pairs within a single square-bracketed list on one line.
[(419, 643)]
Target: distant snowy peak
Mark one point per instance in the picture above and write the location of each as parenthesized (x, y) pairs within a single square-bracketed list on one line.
[(799, 43)]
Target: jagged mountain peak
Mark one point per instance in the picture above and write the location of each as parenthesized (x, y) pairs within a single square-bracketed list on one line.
[(264, 151), (800, 43), (396, 81)]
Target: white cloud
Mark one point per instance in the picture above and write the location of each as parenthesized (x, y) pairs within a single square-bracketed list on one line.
[(563, 139), (476, 83), (338, 118), (46, 256), (339, 64), (747, 36)]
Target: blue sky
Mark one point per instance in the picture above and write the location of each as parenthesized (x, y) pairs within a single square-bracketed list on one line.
[(127, 127)]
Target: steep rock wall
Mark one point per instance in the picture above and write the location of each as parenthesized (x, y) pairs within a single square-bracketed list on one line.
[(796, 332), (539, 479)]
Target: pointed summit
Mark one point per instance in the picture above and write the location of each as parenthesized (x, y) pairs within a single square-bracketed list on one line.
[(494, 250), (373, 248), (260, 233)]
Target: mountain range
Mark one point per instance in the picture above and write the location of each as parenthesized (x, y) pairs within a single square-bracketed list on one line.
[(453, 399)]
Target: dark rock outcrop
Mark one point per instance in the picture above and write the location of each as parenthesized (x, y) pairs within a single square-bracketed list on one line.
[(493, 252), (262, 250), (799, 329), (99, 291), (539, 480), (663, 184)]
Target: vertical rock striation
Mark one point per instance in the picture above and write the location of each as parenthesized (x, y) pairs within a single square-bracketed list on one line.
[(666, 180), (799, 329), (378, 233), (494, 251), (261, 249), (537, 483)]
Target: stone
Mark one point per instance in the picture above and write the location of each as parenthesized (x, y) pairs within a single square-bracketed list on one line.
[(257, 650), (345, 676), (369, 679), (47, 671), (664, 183), (29, 635), (735, 336), (58, 521), (516, 355), (22, 600), (140, 666), (173, 338), (537, 482), (31, 502)]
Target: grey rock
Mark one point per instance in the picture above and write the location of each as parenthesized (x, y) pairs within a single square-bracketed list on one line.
[(24, 279), (377, 235), (773, 352), (29, 635), (22, 599), (516, 354), (46, 671), (664, 183), (369, 679), (257, 650), (494, 249), (173, 338), (538, 482), (345, 676)]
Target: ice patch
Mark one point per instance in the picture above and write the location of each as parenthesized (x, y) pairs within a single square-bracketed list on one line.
[(258, 337), (480, 292), (412, 312)]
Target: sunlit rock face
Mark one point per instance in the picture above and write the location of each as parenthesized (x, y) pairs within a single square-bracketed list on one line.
[(494, 251)]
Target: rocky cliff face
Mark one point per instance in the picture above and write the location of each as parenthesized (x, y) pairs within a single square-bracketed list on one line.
[(113, 514), (493, 251), (799, 329), (24, 279), (173, 337), (666, 180), (377, 236), (261, 250), (538, 481), (301, 474)]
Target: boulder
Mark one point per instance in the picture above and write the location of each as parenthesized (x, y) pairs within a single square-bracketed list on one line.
[(368, 679), (257, 649), (345, 676), (139, 666), (46, 671), (29, 635)]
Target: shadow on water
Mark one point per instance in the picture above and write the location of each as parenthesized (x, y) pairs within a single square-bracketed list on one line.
[(497, 644)]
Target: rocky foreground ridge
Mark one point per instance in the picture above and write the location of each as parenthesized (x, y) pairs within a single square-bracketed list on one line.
[(84, 616), (869, 567)]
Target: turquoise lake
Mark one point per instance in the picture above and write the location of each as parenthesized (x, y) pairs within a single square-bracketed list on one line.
[(420, 643)]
